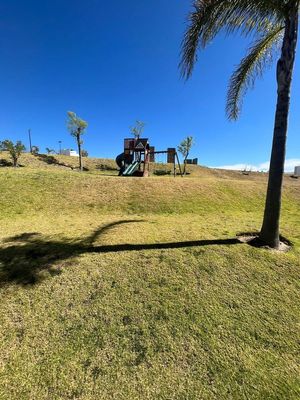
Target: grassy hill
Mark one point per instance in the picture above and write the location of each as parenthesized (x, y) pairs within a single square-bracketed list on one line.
[(108, 166), (129, 288)]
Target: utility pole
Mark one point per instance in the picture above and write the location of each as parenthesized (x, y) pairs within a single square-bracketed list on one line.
[(30, 145), (59, 146)]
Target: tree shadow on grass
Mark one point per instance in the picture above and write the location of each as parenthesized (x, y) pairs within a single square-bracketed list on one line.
[(51, 160), (7, 163), (23, 258), (48, 159)]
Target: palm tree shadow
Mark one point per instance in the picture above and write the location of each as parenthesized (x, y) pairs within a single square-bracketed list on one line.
[(23, 258)]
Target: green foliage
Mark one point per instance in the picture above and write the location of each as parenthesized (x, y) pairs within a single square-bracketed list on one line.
[(185, 146), (50, 151), (14, 150), (76, 125), (263, 19), (137, 129), (259, 57), (84, 153)]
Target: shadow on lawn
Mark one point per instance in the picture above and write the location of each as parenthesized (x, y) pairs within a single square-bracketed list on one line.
[(23, 261), (6, 163), (48, 159)]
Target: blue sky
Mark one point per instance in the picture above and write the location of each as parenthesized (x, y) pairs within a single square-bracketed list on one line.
[(115, 62)]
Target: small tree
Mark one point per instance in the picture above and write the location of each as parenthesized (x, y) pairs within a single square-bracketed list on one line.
[(14, 150), (184, 149), (77, 127), (50, 151), (84, 153), (137, 129), (35, 149)]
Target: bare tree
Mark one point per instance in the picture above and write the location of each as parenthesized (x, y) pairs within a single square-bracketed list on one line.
[(137, 129)]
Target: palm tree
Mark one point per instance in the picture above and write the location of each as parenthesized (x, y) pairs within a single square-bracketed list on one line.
[(274, 26)]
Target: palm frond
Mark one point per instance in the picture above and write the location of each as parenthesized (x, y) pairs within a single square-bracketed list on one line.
[(209, 17), (260, 55)]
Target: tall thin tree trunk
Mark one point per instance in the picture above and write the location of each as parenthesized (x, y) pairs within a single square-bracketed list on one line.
[(270, 228), (184, 164), (79, 152)]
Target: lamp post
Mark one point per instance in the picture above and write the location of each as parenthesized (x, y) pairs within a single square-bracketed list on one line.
[(59, 146)]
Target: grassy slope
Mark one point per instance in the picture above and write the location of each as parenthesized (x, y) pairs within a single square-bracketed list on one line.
[(115, 316)]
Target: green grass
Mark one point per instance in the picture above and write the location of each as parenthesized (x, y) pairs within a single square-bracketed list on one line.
[(127, 288)]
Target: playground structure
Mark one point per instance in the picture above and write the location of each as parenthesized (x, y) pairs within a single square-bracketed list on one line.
[(137, 155)]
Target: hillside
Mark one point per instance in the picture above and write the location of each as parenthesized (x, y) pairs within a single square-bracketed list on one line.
[(137, 288), (108, 166)]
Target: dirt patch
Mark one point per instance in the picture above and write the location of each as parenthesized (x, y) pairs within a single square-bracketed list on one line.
[(252, 238)]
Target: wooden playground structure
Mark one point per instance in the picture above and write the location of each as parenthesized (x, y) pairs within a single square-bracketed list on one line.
[(138, 154)]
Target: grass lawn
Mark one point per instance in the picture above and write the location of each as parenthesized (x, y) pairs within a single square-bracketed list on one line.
[(128, 288)]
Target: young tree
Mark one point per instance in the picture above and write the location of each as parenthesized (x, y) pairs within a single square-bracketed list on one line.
[(77, 127), (14, 150), (84, 153), (137, 129), (35, 149), (50, 151), (274, 23), (184, 149)]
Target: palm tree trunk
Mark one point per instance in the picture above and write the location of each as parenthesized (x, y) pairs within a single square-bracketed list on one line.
[(270, 228)]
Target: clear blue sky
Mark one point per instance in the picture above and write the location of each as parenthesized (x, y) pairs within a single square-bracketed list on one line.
[(115, 62)]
